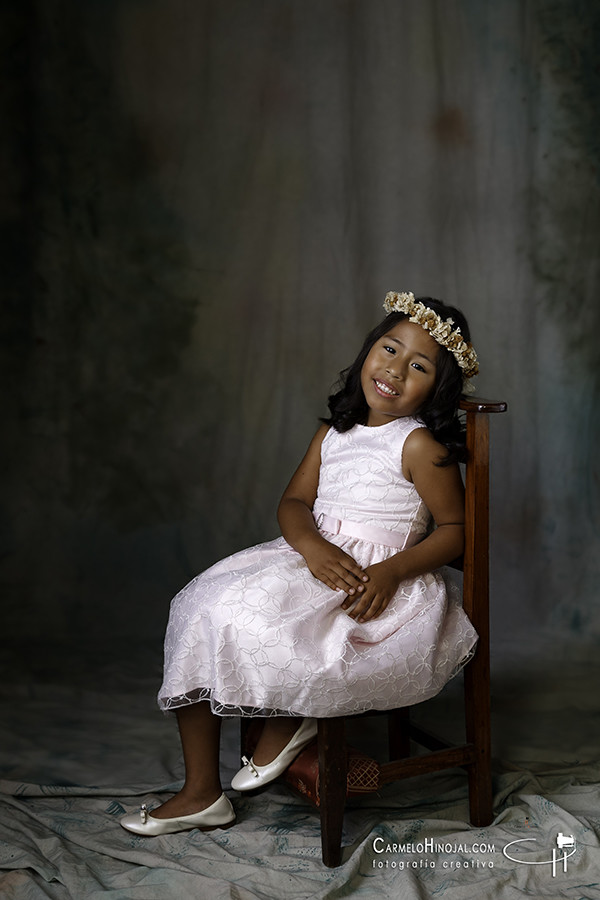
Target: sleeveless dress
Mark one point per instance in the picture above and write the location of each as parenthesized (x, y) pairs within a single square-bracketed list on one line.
[(258, 634)]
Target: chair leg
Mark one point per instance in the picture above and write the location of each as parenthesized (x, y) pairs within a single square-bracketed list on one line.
[(399, 733), (333, 775), (477, 710)]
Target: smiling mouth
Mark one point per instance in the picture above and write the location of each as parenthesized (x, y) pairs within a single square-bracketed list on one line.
[(384, 389)]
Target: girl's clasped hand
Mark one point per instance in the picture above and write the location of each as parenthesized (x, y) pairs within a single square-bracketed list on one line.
[(378, 592), (335, 568), (368, 591)]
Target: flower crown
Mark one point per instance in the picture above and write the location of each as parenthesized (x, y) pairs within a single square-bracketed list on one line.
[(439, 329)]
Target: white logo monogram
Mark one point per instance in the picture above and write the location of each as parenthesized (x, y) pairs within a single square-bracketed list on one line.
[(564, 842)]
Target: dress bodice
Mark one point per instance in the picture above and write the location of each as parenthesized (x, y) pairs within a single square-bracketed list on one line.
[(361, 478)]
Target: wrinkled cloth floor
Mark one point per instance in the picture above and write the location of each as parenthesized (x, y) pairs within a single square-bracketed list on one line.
[(83, 743)]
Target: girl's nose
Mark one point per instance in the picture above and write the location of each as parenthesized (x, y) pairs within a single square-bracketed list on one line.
[(395, 368)]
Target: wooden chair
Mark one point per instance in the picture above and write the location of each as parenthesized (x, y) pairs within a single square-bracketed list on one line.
[(475, 754)]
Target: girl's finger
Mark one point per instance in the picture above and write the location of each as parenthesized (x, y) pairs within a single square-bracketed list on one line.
[(368, 608), (347, 581), (356, 570), (349, 565), (370, 613), (348, 602), (375, 611), (329, 582), (339, 584), (360, 607)]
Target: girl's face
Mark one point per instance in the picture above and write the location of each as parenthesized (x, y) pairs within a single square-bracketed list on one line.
[(399, 373)]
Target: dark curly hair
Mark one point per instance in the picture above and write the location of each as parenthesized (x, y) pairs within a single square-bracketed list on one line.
[(439, 413)]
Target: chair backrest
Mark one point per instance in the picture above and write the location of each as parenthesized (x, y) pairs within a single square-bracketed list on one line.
[(476, 554)]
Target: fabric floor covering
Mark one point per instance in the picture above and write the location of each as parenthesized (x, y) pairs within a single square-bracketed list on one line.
[(83, 743)]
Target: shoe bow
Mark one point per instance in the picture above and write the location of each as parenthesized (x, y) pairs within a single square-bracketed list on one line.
[(248, 762)]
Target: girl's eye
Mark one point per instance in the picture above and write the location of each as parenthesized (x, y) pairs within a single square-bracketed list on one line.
[(389, 349), (418, 367)]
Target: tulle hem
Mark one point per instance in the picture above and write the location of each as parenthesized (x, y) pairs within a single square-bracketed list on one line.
[(171, 704)]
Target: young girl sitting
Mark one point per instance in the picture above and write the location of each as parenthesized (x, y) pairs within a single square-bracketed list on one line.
[(347, 611)]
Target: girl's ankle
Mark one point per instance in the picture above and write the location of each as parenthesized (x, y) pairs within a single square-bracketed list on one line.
[(184, 804), (200, 794)]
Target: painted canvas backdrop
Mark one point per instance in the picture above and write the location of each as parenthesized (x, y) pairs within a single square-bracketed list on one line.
[(206, 203)]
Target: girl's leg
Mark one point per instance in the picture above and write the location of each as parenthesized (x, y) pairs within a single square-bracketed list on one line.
[(200, 732), (277, 732)]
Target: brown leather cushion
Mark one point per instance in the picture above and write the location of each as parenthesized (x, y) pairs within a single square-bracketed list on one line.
[(303, 774)]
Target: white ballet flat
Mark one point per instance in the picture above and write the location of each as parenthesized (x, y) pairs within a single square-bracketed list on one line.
[(220, 815), (252, 776)]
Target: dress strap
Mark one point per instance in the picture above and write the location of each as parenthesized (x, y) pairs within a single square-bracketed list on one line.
[(366, 532)]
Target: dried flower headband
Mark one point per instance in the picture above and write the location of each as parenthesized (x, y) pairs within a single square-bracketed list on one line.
[(439, 329)]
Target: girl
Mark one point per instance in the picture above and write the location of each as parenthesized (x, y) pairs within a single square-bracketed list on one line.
[(347, 611)]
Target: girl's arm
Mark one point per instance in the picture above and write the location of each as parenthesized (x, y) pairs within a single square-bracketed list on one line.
[(327, 562), (442, 491)]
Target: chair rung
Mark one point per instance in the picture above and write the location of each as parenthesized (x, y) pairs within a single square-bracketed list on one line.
[(432, 762)]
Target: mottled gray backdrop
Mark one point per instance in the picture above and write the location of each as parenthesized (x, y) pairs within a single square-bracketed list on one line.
[(204, 204)]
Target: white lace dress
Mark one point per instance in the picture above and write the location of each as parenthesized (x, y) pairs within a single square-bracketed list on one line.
[(258, 634)]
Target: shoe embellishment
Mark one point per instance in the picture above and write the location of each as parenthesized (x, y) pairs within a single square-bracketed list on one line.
[(248, 762), (144, 813)]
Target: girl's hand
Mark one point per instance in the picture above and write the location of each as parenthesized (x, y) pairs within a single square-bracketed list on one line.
[(334, 567), (383, 584)]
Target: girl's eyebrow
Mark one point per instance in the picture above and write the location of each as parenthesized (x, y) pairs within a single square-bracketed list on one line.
[(423, 355)]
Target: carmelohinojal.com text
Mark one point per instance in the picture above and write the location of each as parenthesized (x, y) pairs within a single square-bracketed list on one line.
[(383, 849)]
